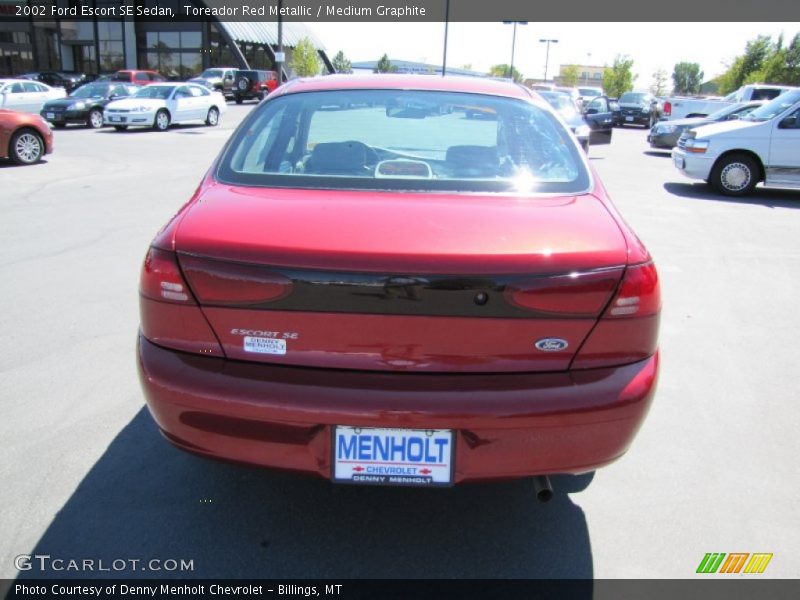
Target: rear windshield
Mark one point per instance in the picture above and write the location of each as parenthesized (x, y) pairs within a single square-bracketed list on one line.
[(406, 140), (121, 76)]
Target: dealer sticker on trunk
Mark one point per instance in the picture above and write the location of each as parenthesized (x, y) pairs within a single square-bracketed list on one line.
[(392, 456), (261, 345)]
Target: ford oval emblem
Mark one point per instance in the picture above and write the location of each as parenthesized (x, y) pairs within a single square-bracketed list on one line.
[(551, 344)]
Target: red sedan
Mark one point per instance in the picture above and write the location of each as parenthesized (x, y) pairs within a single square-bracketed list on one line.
[(24, 138), (374, 288)]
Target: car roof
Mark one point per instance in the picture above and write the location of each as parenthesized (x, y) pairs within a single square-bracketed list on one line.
[(474, 85)]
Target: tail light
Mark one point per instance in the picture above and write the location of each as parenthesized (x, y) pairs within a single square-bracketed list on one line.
[(169, 314), (222, 283), (162, 279), (628, 330), (667, 108), (577, 294), (639, 294)]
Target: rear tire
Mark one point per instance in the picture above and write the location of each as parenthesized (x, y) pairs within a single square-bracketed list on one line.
[(26, 147), (162, 120), (239, 99), (212, 119), (735, 175), (95, 119)]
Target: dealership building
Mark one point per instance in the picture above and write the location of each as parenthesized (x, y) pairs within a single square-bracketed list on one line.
[(176, 48)]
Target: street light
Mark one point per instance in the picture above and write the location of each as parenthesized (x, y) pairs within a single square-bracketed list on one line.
[(513, 45), (547, 56), (588, 64)]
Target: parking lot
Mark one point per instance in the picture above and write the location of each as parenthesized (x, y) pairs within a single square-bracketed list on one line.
[(86, 475)]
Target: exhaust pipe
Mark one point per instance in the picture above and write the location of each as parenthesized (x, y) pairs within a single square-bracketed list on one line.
[(544, 491)]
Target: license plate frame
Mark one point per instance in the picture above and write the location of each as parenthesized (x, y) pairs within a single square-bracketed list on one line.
[(629, 119), (405, 478), (50, 116)]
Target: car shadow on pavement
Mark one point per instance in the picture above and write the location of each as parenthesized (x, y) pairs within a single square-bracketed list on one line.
[(769, 197), (8, 163), (659, 153), (143, 499)]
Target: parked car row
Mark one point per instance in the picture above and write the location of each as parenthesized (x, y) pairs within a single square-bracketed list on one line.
[(736, 155)]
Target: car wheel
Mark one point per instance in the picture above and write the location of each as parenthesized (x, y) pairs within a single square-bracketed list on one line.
[(161, 122), (26, 147), (95, 120), (213, 116), (260, 96), (735, 175), (120, 127), (239, 99)]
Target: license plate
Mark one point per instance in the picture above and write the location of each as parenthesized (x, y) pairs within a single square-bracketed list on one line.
[(115, 119), (679, 162), (629, 118), (412, 457), (49, 115)]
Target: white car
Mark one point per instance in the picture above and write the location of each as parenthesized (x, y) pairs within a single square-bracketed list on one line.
[(24, 95), (734, 156), (160, 105)]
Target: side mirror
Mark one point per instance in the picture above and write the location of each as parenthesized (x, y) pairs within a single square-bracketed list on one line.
[(788, 123)]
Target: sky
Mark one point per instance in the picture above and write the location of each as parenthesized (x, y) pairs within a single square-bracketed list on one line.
[(652, 46)]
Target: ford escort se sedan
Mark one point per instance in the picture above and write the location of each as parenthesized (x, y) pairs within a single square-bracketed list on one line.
[(372, 288)]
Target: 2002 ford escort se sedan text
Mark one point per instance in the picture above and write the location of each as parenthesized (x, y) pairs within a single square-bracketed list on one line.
[(371, 287)]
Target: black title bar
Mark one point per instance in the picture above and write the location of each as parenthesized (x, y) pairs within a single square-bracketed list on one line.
[(405, 10)]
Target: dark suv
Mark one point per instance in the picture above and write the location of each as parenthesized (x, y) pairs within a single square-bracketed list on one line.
[(638, 108), (254, 84)]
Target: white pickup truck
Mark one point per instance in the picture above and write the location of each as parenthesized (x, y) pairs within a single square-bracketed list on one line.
[(679, 107), (734, 156)]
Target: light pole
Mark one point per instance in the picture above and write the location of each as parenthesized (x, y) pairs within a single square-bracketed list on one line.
[(513, 45), (588, 64), (446, 22), (547, 56)]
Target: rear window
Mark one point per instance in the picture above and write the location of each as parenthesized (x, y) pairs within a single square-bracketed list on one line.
[(765, 93), (404, 140), (121, 76)]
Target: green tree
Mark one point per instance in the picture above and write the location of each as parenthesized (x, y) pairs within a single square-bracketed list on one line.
[(686, 78), (747, 66), (341, 63), (385, 65), (503, 71), (569, 75), (659, 86), (305, 60), (618, 78)]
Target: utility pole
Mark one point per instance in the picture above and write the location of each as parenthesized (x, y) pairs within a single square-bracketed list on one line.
[(280, 57)]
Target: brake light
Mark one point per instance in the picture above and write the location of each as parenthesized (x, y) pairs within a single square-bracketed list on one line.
[(222, 283), (639, 294), (169, 315), (667, 108), (577, 294), (162, 280), (628, 330)]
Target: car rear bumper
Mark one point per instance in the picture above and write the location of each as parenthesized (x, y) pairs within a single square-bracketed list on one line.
[(506, 425)]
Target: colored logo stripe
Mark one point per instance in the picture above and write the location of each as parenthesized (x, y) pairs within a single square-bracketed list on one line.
[(758, 562), (713, 562)]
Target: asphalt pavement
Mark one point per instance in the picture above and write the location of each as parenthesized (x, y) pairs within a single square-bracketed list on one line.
[(86, 475)]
